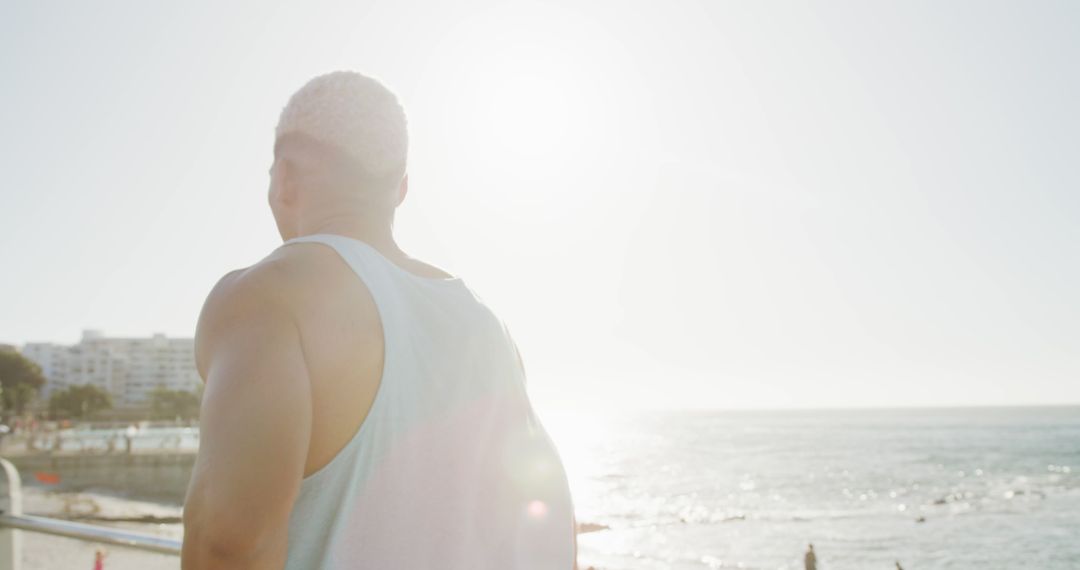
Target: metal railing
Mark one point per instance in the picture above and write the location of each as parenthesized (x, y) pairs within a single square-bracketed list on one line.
[(100, 441), (13, 522)]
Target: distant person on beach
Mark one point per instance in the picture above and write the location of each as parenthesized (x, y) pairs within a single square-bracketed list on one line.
[(810, 559), (363, 409)]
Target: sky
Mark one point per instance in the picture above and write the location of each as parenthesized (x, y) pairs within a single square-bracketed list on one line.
[(671, 204)]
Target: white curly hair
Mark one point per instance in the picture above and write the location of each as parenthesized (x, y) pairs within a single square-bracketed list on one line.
[(355, 113)]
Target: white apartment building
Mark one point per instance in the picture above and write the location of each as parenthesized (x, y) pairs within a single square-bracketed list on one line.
[(130, 369)]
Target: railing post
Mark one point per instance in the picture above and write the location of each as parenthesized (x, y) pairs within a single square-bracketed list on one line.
[(11, 538)]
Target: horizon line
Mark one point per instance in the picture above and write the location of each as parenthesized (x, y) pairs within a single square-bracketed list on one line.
[(854, 408)]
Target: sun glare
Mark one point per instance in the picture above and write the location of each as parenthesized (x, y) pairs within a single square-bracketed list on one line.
[(525, 96), (530, 115)]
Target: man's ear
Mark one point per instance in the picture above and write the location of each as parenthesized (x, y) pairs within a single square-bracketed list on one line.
[(403, 190), (288, 182)]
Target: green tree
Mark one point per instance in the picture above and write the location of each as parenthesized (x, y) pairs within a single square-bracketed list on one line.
[(79, 401), (169, 404), (20, 380)]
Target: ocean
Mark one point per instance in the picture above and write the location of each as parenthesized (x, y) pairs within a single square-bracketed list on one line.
[(973, 488)]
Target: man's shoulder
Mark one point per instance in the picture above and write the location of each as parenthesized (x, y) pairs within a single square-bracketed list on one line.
[(285, 279), (259, 283), (275, 277), (257, 292)]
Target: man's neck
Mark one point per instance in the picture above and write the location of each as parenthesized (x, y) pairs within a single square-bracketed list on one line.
[(379, 236)]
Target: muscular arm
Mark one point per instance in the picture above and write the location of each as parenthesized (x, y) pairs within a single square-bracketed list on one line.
[(255, 426)]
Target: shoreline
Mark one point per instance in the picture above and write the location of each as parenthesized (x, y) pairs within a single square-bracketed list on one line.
[(46, 552)]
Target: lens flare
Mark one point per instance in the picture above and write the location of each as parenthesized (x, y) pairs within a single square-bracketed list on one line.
[(537, 509)]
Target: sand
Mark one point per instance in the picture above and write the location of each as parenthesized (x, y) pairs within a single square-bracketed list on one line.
[(45, 552)]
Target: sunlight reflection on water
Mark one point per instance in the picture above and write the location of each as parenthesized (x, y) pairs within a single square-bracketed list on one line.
[(935, 488)]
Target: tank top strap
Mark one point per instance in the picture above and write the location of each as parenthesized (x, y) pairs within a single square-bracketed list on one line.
[(372, 270), (369, 266), (357, 254)]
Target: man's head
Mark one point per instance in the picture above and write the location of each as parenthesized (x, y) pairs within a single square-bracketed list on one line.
[(340, 151)]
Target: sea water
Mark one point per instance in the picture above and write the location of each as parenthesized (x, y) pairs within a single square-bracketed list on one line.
[(977, 488)]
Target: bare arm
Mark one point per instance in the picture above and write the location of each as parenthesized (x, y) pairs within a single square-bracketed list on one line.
[(255, 426)]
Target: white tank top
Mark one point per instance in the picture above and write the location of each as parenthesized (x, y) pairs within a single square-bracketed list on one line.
[(451, 468)]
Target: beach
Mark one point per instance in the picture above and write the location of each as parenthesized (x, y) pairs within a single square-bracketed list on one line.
[(43, 552)]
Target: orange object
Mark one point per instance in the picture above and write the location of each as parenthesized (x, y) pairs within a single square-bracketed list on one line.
[(47, 478)]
